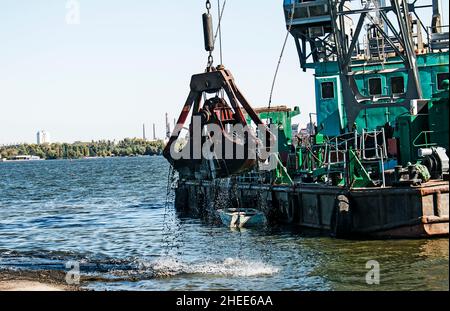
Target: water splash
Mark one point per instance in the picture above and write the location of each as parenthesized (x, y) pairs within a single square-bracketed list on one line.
[(105, 269), (230, 267)]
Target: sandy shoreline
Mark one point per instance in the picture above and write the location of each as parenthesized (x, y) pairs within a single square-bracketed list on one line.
[(34, 281)]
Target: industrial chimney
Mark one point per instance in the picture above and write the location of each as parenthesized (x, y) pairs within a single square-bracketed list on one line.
[(143, 132), (168, 132)]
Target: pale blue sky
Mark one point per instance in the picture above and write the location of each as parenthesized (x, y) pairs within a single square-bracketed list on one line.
[(129, 62)]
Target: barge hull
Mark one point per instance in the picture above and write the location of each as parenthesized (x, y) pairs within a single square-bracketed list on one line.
[(400, 212)]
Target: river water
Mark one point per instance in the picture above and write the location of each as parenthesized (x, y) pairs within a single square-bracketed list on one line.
[(110, 217)]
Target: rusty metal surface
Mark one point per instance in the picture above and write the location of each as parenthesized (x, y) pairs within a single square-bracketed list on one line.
[(219, 113), (414, 231)]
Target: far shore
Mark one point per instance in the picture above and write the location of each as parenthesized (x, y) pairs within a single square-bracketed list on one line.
[(82, 158)]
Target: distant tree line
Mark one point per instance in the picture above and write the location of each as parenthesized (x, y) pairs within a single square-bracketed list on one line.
[(77, 150)]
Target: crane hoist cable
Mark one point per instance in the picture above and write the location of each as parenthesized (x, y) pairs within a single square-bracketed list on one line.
[(219, 34), (208, 33), (282, 52), (210, 37), (219, 27)]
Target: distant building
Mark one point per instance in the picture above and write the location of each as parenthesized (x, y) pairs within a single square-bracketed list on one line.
[(43, 137)]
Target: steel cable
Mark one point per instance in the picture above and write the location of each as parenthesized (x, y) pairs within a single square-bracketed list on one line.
[(282, 53)]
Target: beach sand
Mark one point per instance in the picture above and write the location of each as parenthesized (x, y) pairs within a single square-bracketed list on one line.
[(29, 286), (34, 281)]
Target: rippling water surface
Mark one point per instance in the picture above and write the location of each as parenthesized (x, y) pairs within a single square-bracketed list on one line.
[(110, 216)]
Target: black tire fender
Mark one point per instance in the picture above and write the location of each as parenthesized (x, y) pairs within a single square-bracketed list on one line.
[(341, 218)]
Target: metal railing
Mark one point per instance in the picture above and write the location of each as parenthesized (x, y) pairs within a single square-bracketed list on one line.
[(337, 150), (426, 135), (438, 40)]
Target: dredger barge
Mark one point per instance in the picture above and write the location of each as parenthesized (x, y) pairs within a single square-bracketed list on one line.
[(374, 164)]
